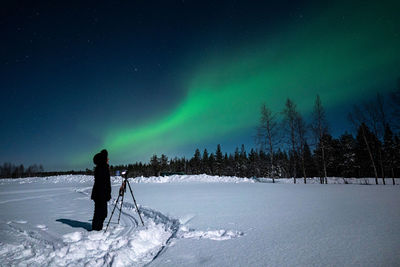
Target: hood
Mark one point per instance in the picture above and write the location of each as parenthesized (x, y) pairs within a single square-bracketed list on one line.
[(100, 158)]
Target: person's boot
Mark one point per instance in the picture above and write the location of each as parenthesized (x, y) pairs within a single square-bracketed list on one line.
[(95, 225)]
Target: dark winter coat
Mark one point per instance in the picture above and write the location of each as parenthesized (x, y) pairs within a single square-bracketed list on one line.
[(102, 187)]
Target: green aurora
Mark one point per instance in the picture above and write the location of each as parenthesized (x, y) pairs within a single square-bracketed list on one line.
[(340, 53)]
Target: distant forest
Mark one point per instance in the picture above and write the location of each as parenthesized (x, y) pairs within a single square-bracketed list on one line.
[(289, 146), (9, 170)]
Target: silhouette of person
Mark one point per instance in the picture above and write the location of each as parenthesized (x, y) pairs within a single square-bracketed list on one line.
[(101, 192)]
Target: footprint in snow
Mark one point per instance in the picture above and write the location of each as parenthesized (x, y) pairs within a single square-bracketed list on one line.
[(41, 226)]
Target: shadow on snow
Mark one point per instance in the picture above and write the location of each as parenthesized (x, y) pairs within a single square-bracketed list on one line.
[(76, 224)]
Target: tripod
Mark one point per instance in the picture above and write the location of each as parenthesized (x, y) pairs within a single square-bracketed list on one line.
[(121, 194)]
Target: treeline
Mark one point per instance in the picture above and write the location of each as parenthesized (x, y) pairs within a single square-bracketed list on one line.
[(9, 170), (288, 145), (345, 156)]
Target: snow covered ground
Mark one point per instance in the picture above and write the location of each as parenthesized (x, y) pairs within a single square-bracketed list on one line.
[(201, 221)]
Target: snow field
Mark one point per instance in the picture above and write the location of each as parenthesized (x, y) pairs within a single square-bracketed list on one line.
[(198, 221)]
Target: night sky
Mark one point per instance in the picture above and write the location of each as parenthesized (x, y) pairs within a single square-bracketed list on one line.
[(145, 77)]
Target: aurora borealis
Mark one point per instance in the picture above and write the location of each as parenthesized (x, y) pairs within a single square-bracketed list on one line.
[(197, 83)]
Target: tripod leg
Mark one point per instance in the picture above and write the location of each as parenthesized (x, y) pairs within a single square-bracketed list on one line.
[(116, 203), (120, 209), (137, 210)]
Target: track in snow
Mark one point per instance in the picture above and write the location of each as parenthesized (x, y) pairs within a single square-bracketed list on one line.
[(125, 244)]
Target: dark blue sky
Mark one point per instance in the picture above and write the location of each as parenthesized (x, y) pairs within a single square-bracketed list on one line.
[(71, 71)]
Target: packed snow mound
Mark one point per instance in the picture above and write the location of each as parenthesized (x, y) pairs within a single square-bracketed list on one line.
[(51, 179), (117, 247), (81, 179), (201, 178)]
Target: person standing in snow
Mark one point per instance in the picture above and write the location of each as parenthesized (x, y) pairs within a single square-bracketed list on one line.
[(101, 192)]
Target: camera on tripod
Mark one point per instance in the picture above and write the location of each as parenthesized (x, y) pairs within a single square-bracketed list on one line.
[(122, 190)]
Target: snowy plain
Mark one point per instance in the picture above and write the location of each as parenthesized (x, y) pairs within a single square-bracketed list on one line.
[(201, 221)]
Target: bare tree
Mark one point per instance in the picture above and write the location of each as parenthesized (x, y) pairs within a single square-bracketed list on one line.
[(289, 120), (266, 135), (320, 129), (376, 121), (301, 130), (358, 119)]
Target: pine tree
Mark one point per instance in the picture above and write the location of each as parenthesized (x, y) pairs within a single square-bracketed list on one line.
[(164, 163), (347, 155), (21, 170), (309, 164), (254, 170), (204, 163), (376, 120), (218, 160), (196, 162), (211, 164), (155, 165), (237, 162), (230, 166), (365, 150), (395, 107), (397, 154), (283, 163), (243, 162), (389, 151)]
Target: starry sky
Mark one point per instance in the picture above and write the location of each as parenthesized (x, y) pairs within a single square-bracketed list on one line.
[(146, 77)]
